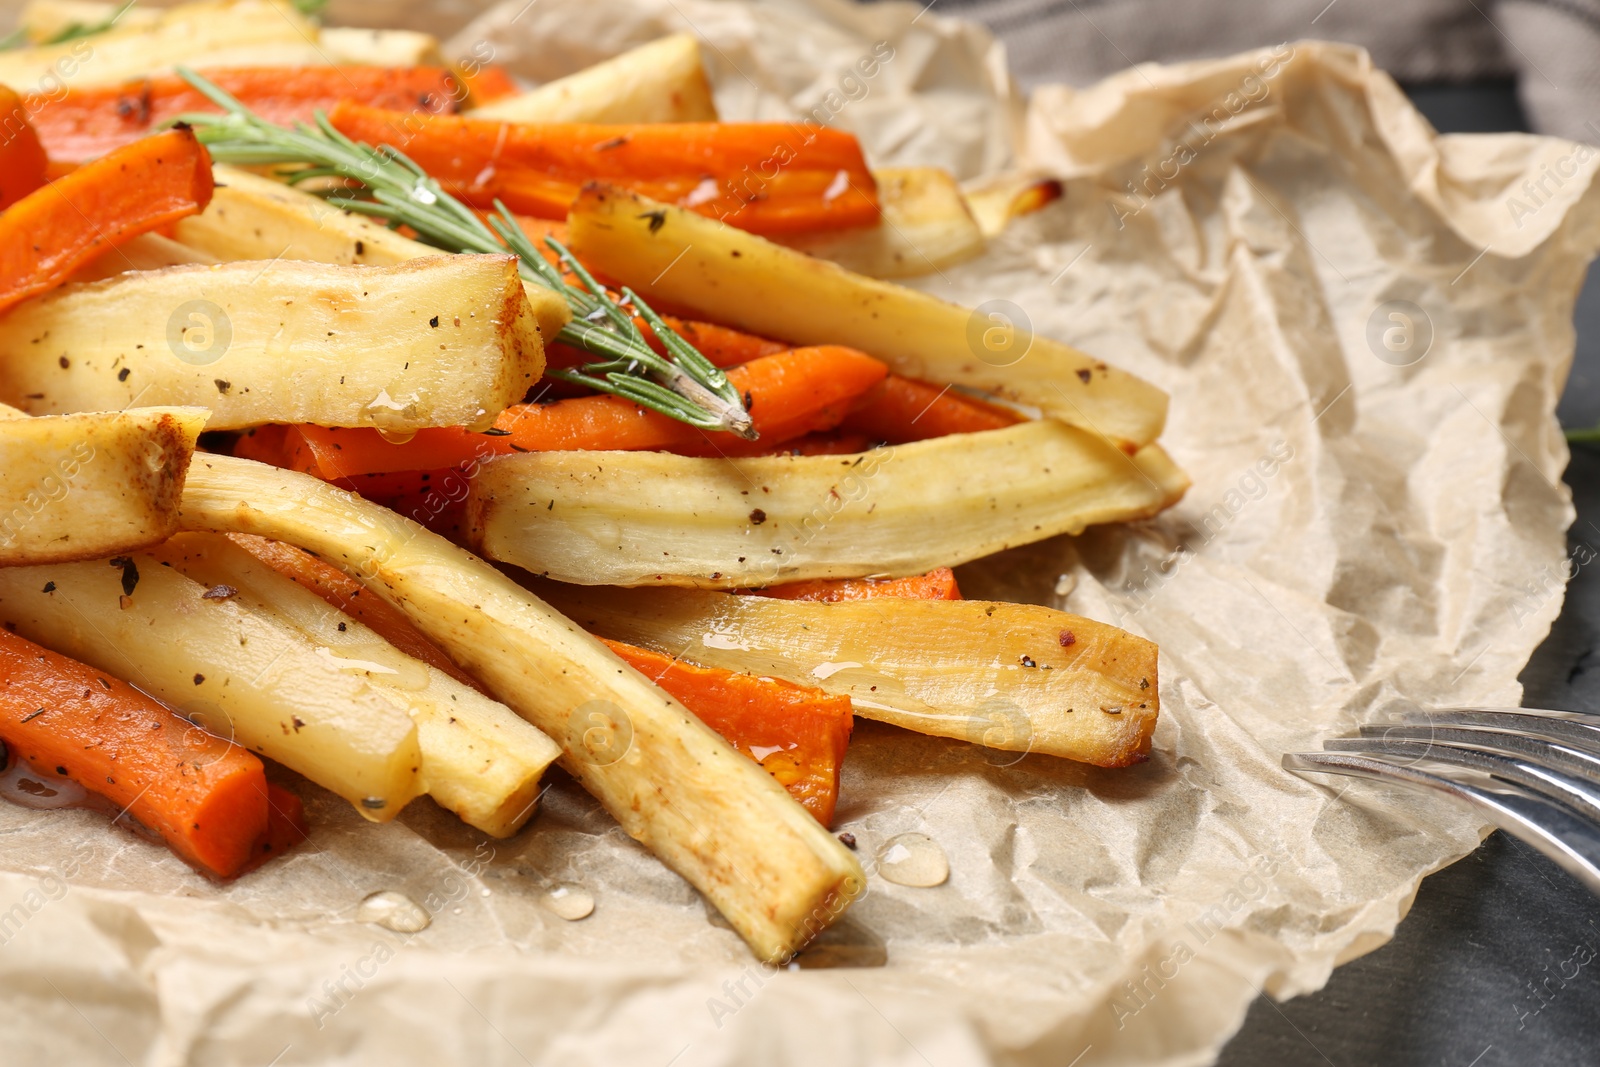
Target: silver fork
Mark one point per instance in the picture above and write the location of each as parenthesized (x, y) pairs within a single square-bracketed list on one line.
[(1533, 773)]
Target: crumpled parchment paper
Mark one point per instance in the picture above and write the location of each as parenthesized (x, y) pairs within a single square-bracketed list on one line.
[(1364, 328)]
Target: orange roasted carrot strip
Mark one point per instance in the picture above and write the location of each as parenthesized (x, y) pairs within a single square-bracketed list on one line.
[(87, 123), (484, 83), (902, 410), (346, 594), (54, 230), (792, 393), (537, 230), (286, 826), (937, 584), (205, 796), (827, 443), (765, 177), (434, 499), (337, 454), (799, 734), (264, 444), (23, 161), (722, 345)]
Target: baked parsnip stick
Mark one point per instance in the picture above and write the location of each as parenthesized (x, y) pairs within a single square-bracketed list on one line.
[(1014, 677), (662, 81), (926, 226), (240, 675), (443, 341), (480, 760), (215, 33), (685, 260), (251, 217), (654, 518), (709, 813), (89, 486)]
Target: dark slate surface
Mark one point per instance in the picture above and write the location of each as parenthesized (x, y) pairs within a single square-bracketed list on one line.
[(1499, 961)]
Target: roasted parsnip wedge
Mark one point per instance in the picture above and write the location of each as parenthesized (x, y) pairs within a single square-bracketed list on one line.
[(997, 200), (148, 251), (88, 486), (689, 261), (663, 81), (342, 45), (1008, 676), (251, 217), (43, 20), (709, 813), (479, 759), (925, 226), (220, 33), (444, 341), (240, 675), (653, 518), (359, 46)]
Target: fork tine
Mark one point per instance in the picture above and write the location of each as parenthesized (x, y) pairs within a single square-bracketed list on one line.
[(1573, 761), (1582, 797), (1539, 713), (1573, 728), (1566, 839)]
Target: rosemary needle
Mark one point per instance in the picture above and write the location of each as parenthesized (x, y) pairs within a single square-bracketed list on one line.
[(683, 385)]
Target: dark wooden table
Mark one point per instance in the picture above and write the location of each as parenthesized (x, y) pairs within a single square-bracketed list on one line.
[(1499, 961)]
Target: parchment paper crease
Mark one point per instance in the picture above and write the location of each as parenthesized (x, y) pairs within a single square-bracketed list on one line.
[(1360, 533)]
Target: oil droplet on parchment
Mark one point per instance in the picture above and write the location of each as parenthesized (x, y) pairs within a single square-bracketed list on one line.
[(394, 911), (569, 902), (913, 859)]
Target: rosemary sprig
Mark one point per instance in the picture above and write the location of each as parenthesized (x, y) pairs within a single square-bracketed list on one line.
[(685, 385)]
